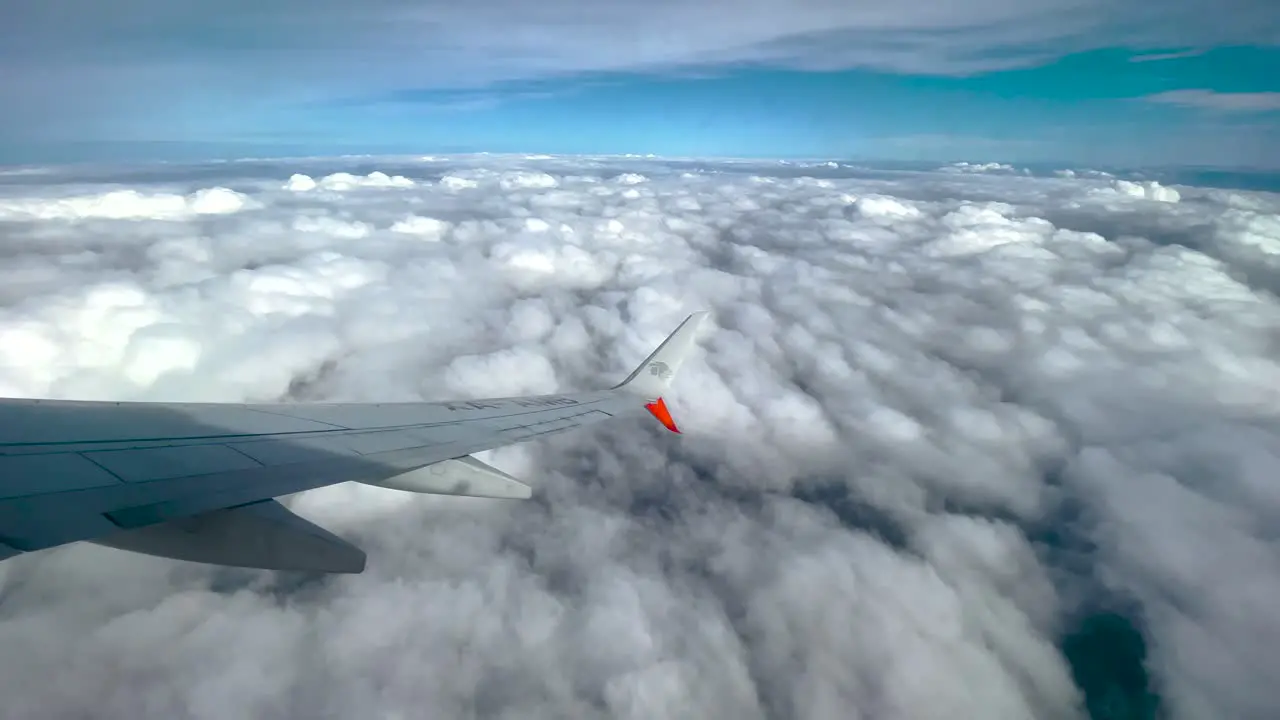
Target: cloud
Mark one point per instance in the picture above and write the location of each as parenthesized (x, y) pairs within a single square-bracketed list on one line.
[(147, 68), (1085, 173), (346, 181), (1222, 101), (1156, 57), (127, 204), (989, 167), (944, 420), (1149, 190)]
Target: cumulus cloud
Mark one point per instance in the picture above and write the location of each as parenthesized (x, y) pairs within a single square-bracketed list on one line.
[(127, 204), (943, 422), (990, 167), (1085, 173), (346, 181), (1148, 190)]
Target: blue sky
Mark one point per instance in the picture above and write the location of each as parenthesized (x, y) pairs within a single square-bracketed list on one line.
[(1124, 82)]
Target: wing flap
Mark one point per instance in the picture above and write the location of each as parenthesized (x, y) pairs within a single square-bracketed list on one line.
[(380, 441), (162, 463), (263, 535), (294, 450), (464, 476)]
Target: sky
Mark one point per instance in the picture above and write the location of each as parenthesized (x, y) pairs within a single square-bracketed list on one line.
[(1099, 82), (963, 442)]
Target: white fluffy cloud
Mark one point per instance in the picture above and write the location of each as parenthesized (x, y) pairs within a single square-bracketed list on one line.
[(1149, 190), (943, 419), (346, 181), (125, 205), (990, 167)]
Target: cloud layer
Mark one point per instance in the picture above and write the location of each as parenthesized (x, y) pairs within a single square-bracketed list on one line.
[(944, 420), (505, 39)]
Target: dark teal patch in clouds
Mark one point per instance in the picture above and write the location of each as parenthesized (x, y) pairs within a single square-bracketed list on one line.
[(1108, 656)]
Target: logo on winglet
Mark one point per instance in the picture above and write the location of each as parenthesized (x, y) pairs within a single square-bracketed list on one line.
[(660, 370)]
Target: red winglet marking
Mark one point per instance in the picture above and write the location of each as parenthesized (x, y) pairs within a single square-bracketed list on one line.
[(658, 409)]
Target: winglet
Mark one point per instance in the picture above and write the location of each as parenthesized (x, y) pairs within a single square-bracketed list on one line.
[(658, 409), (652, 378)]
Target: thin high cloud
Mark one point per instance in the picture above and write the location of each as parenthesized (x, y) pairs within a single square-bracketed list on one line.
[(941, 418), (214, 70), (1156, 57), (564, 36), (1242, 102)]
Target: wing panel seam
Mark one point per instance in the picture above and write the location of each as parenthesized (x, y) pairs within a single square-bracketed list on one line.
[(105, 469), (292, 417), (238, 451)]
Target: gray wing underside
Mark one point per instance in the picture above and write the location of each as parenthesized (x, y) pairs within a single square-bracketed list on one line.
[(134, 465)]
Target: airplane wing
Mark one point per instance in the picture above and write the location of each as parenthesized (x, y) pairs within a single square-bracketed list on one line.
[(196, 481)]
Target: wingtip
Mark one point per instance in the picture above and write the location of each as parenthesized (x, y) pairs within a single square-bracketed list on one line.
[(653, 376), (658, 409)]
